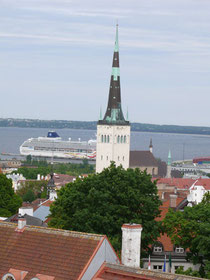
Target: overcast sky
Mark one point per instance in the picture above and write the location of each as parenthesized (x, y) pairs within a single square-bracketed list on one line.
[(56, 56)]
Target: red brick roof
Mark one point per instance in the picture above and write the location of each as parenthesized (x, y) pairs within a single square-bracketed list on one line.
[(57, 253)]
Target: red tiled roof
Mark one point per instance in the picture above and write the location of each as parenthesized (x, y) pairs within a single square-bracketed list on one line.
[(164, 239), (58, 253), (184, 182), (47, 203)]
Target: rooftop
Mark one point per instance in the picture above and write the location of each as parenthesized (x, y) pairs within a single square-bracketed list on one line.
[(59, 253)]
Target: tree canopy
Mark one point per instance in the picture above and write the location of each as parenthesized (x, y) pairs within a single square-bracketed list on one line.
[(102, 203), (190, 229), (9, 201)]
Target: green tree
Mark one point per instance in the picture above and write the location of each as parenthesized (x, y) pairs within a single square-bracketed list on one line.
[(32, 190), (102, 203), (29, 196), (191, 230), (9, 201)]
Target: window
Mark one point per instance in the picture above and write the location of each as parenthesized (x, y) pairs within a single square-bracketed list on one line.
[(179, 250), (108, 139), (124, 139), (118, 139), (107, 158), (123, 158), (101, 157), (157, 249), (121, 139), (102, 138), (158, 267), (118, 158)]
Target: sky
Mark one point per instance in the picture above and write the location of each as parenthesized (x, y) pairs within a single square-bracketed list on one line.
[(56, 58)]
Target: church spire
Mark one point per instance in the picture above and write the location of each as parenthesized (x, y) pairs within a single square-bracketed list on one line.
[(114, 114)]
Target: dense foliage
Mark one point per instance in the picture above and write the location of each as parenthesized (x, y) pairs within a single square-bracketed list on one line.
[(191, 229), (43, 168), (32, 190), (9, 201), (102, 203)]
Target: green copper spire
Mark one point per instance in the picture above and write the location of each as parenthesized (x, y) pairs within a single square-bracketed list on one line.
[(169, 157), (114, 113), (116, 46)]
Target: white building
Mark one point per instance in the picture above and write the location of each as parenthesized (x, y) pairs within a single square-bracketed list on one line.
[(113, 131), (197, 191), (16, 179)]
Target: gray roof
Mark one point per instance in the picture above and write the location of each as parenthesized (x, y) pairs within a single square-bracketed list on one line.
[(42, 212), (30, 220)]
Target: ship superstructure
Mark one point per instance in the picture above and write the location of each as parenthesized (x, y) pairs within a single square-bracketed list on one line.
[(54, 146)]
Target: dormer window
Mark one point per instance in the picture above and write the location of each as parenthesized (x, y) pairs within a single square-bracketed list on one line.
[(157, 249), (179, 250)]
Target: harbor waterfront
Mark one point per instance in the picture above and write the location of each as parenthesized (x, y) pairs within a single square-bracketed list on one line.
[(182, 146)]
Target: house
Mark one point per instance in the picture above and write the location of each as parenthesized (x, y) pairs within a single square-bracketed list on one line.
[(177, 200), (28, 252)]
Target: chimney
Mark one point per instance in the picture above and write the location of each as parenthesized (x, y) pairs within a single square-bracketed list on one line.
[(26, 210), (131, 244), (173, 198), (21, 223)]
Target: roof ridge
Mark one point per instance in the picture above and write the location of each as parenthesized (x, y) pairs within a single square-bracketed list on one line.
[(56, 231)]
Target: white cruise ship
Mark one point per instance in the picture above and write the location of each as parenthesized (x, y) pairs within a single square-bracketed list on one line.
[(54, 146)]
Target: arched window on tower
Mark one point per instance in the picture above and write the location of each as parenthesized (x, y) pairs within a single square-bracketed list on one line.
[(107, 138), (118, 139), (121, 139), (102, 138), (124, 139)]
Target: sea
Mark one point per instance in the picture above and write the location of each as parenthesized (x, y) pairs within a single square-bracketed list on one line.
[(182, 146)]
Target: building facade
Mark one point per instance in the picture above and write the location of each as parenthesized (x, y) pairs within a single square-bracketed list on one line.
[(113, 131)]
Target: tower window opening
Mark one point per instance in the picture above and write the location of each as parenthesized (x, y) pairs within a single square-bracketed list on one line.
[(102, 138), (123, 158), (121, 139), (118, 139), (118, 158), (107, 158), (124, 139), (107, 138), (101, 157)]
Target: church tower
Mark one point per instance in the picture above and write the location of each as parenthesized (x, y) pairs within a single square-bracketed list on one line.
[(113, 131)]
